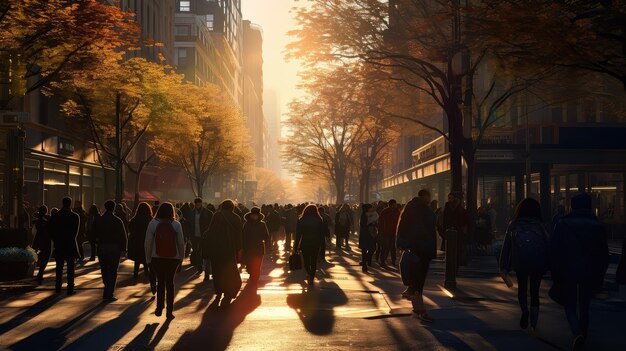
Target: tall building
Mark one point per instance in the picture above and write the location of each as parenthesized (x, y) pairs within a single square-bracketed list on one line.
[(272, 113), (253, 92)]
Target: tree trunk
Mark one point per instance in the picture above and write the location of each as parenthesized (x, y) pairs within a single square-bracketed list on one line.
[(472, 185), (364, 186), (456, 151), (199, 187), (340, 187)]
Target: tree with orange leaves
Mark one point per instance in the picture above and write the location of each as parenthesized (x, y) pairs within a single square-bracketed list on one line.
[(39, 40)]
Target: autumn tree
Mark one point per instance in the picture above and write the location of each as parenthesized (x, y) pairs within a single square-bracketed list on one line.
[(270, 188), (419, 43), (583, 35), (39, 40), (325, 129), (121, 103), (220, 143)]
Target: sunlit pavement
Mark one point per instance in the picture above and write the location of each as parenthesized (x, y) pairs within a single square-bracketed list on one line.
[(346, 310)]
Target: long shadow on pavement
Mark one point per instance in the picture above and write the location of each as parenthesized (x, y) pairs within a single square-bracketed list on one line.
[(315, 307), (219, 323)]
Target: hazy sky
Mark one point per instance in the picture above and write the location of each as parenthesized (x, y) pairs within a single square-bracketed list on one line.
[(276, 20)]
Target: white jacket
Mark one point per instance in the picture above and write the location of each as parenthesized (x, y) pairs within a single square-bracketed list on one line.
[(150, 246)]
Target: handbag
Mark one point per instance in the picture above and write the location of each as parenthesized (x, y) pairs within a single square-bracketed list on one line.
[(408, 268), (295, 262)]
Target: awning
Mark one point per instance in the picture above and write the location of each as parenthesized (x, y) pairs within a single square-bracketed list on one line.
[(144, 195)]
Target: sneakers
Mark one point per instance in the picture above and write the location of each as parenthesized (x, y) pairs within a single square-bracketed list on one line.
[(579, 343), (408, 294), (424, 317), (523, 322)]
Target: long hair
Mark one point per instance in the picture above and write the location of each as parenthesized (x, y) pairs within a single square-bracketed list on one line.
[(528, 208), (165, 211), (144, 210), (94, 210), (311, 210)]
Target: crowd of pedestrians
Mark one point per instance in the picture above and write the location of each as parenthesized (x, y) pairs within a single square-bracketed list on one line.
[(220, 241)]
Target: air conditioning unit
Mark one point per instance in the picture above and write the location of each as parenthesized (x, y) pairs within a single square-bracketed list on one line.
[(11, 119)]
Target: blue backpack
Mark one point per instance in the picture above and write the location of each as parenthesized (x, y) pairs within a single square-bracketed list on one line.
[(530, 248)]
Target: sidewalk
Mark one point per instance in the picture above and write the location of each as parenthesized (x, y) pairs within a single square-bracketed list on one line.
[(347, 310)]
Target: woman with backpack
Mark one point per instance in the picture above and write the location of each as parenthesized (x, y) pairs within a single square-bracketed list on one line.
[(368, 232), (164, 247), (525, 251)]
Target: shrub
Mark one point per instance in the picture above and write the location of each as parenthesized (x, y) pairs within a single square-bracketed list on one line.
[(15, 254)]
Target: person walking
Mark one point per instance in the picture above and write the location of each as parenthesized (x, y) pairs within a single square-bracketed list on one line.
[(368, 232), (328, 223), (455, 217), (482, 230), (343, 225), (138, 226), (525, 251), (42, 242), (310, 234), (199, 223), (255, 237), (82, 228), (579, 257), (92, 216), (225, 245), (273, 225), (111, 239), (291, 222), (164, 250), (63, 228), (387, 225), (417, 238)]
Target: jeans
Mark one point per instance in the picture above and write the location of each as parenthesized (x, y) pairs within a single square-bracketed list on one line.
[(109, 255), (253, 264), (366, 257), (92, 244), (309, 258), (288, 236), (60, 261), (577, 301), (421, 271), (44, 258), (196, 254), (522, 289), (388, 245), (165, 268)]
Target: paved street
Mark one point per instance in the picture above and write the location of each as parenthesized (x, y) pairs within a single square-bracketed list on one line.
[(346, 310)]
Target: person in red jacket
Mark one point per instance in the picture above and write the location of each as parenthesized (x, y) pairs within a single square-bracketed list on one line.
[(387, 226)]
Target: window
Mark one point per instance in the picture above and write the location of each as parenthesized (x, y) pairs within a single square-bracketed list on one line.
[(210, 20), (184, 6), (182, 31), (182, 57)]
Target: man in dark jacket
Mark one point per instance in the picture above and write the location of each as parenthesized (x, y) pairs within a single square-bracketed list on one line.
[(455, 217), (387, 226), (63, 230), (579, 258), (255, 235), (291, 221), (82, 227), (273, 225), (199, 223), (417, 236), (224, 239), (110, 234)]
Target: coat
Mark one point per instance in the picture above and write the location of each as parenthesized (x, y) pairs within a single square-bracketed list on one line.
[(204, 221), (82, 228), (367, 231), (136, 238), (150, 245), (388, 222), (343, 223), (273, 221), (579, 251), (416, 230), (514, 257), (310, 233), (255, 235), (110, 229), (42, 241), (63, 228), (223, 240)]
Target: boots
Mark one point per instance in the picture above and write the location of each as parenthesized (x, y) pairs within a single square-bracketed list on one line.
[(534, 317)]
